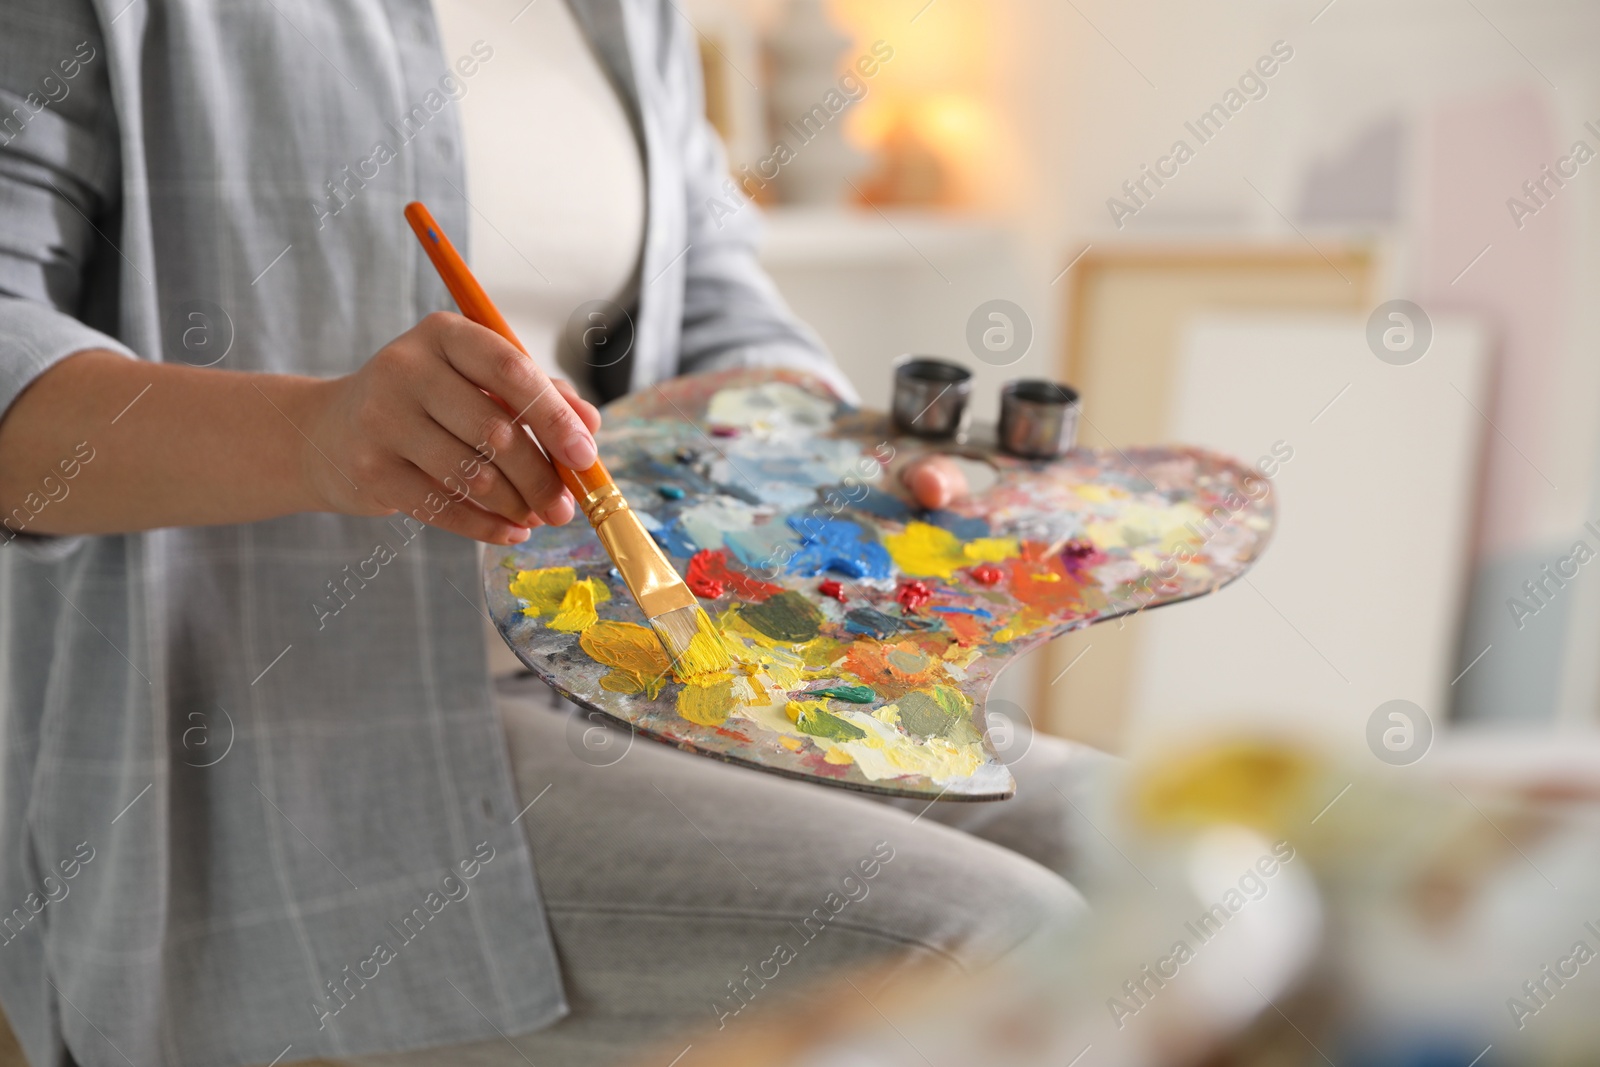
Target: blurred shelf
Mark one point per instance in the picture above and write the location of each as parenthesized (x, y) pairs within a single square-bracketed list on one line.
[(844, 236)]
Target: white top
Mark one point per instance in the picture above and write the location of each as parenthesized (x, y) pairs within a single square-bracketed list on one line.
[(555, 178), (555, 181)]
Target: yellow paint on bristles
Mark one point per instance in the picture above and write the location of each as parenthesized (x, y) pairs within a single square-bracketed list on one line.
[(707, 654)]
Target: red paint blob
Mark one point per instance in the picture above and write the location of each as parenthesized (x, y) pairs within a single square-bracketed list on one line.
[(724, 431), (708, 576), (831, 588), (702, 586), (987, 574), (913, 594)]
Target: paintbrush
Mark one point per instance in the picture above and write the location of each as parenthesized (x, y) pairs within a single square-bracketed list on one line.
[(692, 644)]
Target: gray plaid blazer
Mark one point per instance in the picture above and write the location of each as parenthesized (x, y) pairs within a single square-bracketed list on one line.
[(232, 827)]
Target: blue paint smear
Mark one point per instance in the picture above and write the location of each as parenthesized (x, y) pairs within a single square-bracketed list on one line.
[(838, 546), (673, 540), (764, 550), (962, 526), (953, 610), (874, 623), (884, 505)]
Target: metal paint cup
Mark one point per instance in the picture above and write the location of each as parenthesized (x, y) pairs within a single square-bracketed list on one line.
[(930, 396), (1038, 418)]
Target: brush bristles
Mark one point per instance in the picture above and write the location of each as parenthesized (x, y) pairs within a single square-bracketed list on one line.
[(685, 631), (692, 642)]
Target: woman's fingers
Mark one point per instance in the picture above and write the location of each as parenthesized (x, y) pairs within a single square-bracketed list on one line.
[(422, 429), (463, 410), (466, 475), (493, 364), (560, 513), (935, 481), (586, 411), (410, 490)]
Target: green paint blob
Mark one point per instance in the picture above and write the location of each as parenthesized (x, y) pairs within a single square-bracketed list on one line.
[(945, 712), (908, 661), (819, 723), (854, 694), (924, 716), (786, 616)]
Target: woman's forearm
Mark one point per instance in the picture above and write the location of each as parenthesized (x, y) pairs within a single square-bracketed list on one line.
[(105, 444), (101, 443)]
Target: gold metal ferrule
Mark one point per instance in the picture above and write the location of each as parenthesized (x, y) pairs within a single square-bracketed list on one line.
[(602, 503), (650, 576)]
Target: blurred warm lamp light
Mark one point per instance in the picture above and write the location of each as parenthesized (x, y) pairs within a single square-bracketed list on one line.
[(923, 117)]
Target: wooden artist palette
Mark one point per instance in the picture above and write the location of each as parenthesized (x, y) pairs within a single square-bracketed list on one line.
[(865, 634)]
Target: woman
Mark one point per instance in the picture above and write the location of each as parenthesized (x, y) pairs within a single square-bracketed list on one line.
[(230, 389)]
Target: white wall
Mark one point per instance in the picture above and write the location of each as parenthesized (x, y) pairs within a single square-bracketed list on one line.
[(1076, 114)]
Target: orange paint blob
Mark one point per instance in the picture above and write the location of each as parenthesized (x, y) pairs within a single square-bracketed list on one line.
[(1040, 580), (969, 630), (893, 670)]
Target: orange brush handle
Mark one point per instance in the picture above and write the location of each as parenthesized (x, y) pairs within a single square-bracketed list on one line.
[(476, 305)]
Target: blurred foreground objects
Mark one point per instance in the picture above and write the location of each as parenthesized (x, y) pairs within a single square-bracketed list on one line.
[(1259, 900)]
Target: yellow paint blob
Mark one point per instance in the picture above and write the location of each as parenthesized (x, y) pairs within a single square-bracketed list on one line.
[(926, 551), (821, 651), (957, 658), (991, 549), (1138, 525), (1261, 783), (543, 589), (707, 705), (813, 717), (753, 655), (577, 612), (783, 676), (622, 682), (769, 716), (632, 651), (879, 757), (795, 708), (1099, 494)]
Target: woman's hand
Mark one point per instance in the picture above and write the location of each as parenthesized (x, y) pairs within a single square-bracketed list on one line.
[(413, 431), (934, 480)]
